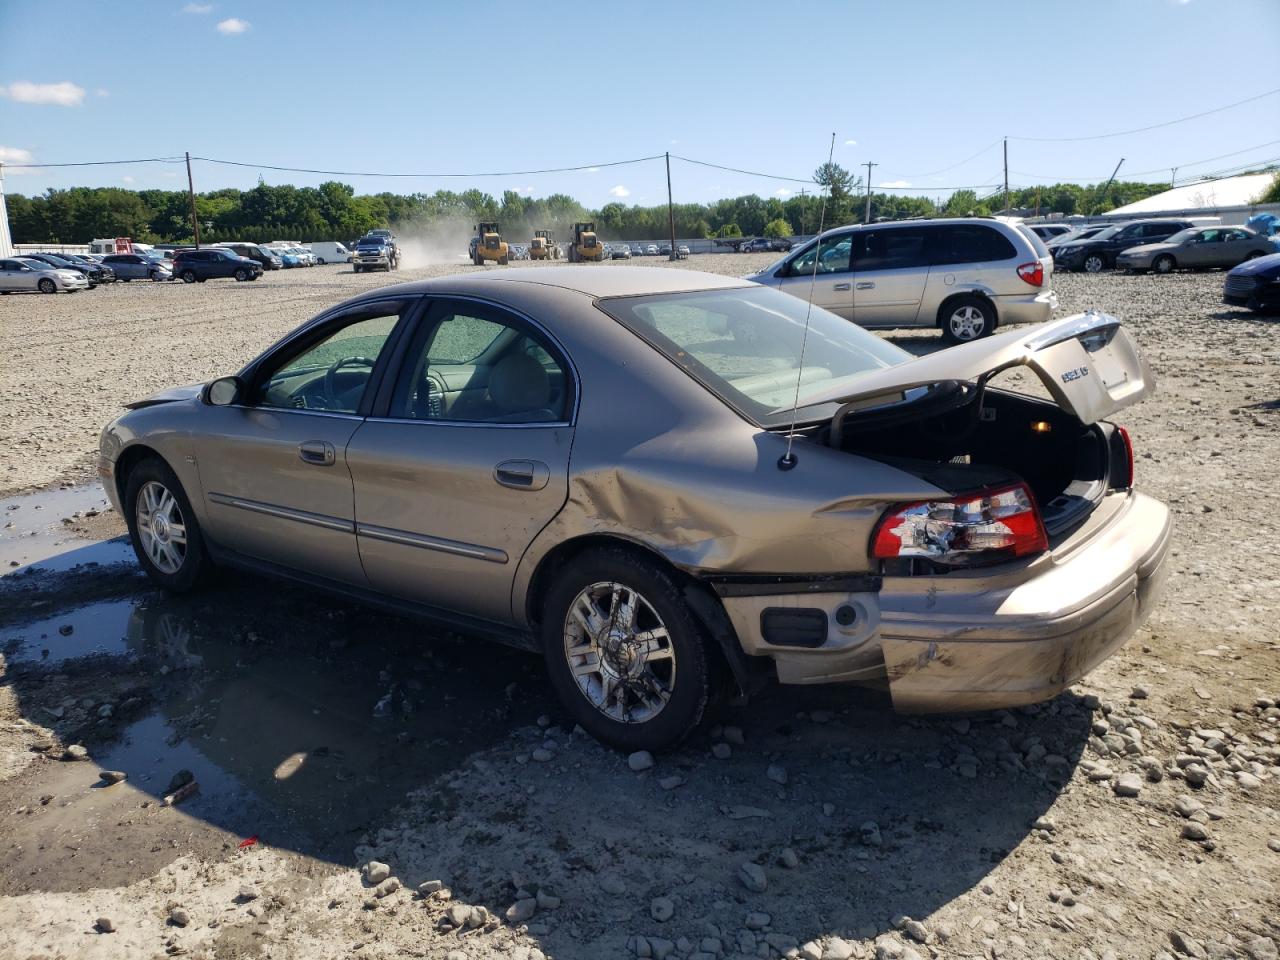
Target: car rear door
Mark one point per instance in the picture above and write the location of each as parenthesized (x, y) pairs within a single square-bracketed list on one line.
[(467, 461), (831, 286), (14, 277), (890, 273), (1236, 246)]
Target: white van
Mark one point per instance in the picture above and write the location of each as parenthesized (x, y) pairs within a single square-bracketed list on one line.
[(329, 251)]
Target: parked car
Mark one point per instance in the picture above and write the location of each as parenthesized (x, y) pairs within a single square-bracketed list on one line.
[(1079, 233), (305, 257), (757, 245), (1197, 247), (1099, 252), (682, 250), (1049, 231), (330, 251), (651, 250), (266, 258), (25, 274), (95, 273), (210, 263), (1255, 284), (966, 276), (134, 266), (621, 251)]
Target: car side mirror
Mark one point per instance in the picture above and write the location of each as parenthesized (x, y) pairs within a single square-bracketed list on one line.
[(223, 392)]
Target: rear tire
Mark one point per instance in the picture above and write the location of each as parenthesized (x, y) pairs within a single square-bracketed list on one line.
[(642, 683), (47, 286), (502, 261), (188, 276), (966, 319), (320, 260), (1094, 263), (1164, 264), (163, 528)]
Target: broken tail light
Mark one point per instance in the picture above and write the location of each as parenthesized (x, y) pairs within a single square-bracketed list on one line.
[(1032, 273), (990, 526)]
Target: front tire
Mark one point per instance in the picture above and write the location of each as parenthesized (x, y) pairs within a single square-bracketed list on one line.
[(625, 654), (1094, 263), (966, 319), (1164, 264), (242, 274), (163, 528), (188, 276), (47, 286)]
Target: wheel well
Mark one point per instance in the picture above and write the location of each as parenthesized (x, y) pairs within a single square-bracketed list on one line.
[(943, 307), (563, 553), (130, 458)]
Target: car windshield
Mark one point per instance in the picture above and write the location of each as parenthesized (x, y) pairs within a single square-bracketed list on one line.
[(372, 242), (1182, 236), (744, 346)]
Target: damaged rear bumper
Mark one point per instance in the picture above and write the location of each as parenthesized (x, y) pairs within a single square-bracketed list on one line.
[(982, 639)]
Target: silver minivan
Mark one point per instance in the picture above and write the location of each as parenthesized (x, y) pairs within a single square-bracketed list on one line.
[(966, 275)]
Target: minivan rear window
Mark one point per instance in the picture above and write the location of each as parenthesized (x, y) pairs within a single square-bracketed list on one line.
[(970, 243), (1033, 238)]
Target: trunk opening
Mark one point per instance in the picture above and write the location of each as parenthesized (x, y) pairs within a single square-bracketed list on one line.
[(963, 437)]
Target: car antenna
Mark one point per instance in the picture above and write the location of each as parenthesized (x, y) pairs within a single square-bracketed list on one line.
[(789, 459)]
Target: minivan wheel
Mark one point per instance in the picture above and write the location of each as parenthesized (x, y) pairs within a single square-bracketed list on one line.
[(163, 528), (625, 654), (47, 286), (967, 318), (188, 276), (1163, 264), (1094, 263)]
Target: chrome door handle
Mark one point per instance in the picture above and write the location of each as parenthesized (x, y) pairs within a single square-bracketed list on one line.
[(866, 285), (320, 453), (841, 286), (522, 474)]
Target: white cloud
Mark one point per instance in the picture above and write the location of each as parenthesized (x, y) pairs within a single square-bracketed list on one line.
[(783, 192), (890, 184), (619, 191), (851, 143), (197, 8), (14, 155), (65, 94), (127, 179), (675, 141), (524, 191), (593, 169), (102, 92), (232, 26)]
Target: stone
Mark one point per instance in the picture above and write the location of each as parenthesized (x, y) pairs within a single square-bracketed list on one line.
[(662, 909), (1248, 782), (1261, 948), (179, 917), (179, 780), (777, 773), (838, 949), (1274, 845), (1186, 806), (75, 752), (375, 872), (1127, 785), (670, 783), (1139, 693), (542, 755), (1196, 774), (1195, 831), (112, 776), (757, 920), (1101, 773), (386, 887), (1185, 944), (811, 950), (1044, 823), (428, 887), (457, 915), (247, 892), (661, 949), (916, 931), (721, 751), (546, 901), (640, 760), (869, 833), (788, 858), (751, 875), (612, 884), (105, 925), (521, 910)]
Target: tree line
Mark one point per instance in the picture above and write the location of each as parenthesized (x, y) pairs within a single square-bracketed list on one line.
[(333, 211)]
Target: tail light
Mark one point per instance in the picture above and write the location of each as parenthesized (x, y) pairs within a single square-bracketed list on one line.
[(987, 527), (1032, 273), (1121, 459)]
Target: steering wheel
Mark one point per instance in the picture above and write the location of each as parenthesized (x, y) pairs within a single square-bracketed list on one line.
[(331, 376)]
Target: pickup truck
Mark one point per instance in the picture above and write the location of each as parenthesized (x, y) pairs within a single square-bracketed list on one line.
[(375, 253)]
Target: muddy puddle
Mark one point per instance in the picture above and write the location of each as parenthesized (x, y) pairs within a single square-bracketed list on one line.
[(303, 720), (37, 531)]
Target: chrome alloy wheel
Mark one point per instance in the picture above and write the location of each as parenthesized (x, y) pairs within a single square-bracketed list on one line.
[(967, 323), (161, 527), (619, 652)]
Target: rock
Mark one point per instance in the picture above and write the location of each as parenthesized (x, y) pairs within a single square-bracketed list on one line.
[(721, 751), (777, 773), (640, 760), (104, 925), (1185, 945), (521, 910), (1101, 773), (542, 755), (612, 884), (869, 833), (428, 887), (1261, 948), (1274, 845), (788, 858), (457, 915), (1044, 823), (179, 780), (670, 783), (1186, 806), (916, 931), (1248, 782), (733, 735), (112, 776), (838, 949), (179, 917), (247, 892), (455, 955), (811, 950), (105, 711), (1195, 831), (661, 949), (662, 909), (386, 887), (1127, 785), (375, 872), (751, 875), (1138, 693), (756, 920), (76, 752), (1196, 774), (546, 901)]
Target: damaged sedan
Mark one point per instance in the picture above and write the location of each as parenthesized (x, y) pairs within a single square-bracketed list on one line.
[(677, 487)]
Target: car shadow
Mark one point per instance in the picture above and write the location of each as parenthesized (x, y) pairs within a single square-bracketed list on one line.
[(314, 725)]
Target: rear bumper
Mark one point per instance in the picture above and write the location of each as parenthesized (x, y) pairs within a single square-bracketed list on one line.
[(1026, 308), (981, 640)]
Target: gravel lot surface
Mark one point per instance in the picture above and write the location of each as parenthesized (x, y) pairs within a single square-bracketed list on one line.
[(412, 793)]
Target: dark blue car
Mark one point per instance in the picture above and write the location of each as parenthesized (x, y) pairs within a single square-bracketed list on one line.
[(1254, 284)]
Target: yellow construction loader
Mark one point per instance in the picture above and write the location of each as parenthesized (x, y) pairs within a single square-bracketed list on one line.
[(488, 244), (543, 246), (586, 245)]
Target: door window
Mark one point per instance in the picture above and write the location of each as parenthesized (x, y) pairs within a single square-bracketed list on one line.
[(891, 249), (1211, 236), (330, 375), (477, 364), (833, 255)]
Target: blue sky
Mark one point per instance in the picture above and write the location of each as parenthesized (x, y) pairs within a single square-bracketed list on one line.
[(918, 86)]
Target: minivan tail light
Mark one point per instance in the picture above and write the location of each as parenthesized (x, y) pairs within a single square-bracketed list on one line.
[(990, 526), (1032, 273)]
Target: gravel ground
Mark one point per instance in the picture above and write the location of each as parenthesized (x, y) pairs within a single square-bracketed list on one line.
[(1135, 816)]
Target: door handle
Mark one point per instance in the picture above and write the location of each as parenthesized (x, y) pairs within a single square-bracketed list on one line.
[(522, 474), (865, 285), (320, 453), (841, 286)]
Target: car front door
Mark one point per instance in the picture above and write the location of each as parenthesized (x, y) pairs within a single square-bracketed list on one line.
[(273, 464), (468, 462), (890, 272), (831, 286), (16, 276)]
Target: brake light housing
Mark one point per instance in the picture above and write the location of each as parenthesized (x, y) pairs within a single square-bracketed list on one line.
[(971, 530), (1032, 273), (1121, 459)]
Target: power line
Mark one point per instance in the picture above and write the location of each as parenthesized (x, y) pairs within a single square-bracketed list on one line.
[(1154, 126), (366, 173), (749, 173), (1143, 173), (91, 163), (934, 173)]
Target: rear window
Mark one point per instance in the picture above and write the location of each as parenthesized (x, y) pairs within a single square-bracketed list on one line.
[(970, 243), (1036, 241)]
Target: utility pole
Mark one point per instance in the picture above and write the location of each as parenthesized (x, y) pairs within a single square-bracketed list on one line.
[(191, 193), (802, 193), (671, 213), (867, 217), (1173, 177), (1106, 186), (1006, 175)]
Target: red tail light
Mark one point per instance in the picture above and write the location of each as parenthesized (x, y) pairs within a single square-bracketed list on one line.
[(1032, 273), (990, 526), (1126, 480)]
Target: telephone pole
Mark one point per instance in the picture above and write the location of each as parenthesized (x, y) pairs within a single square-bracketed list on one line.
[(1006, 175), (867, 217), (671, 213), (1173, 177), (191, 194), (801, 193)]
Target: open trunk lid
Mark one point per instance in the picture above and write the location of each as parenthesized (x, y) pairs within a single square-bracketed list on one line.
[(1090, 366)]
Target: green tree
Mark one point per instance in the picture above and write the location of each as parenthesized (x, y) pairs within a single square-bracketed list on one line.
[(1272, 193), (729, 230), (777, 228)]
